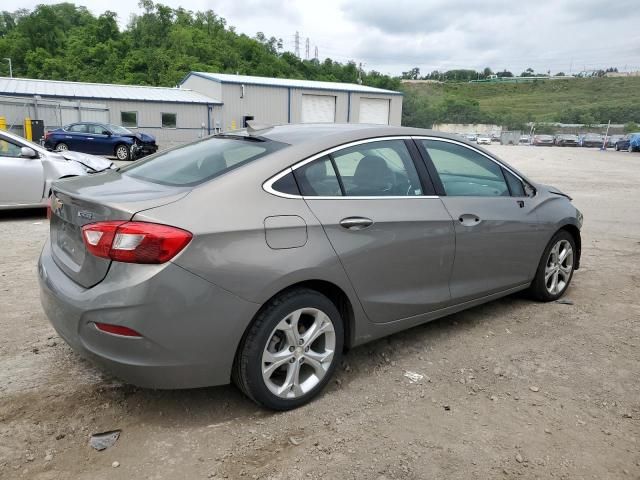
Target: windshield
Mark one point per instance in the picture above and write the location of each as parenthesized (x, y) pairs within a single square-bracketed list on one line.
[(201, 161), (119, 130)]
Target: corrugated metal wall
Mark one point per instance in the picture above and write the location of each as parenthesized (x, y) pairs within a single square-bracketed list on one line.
[(54, 113), (191, 120), (265, 104)]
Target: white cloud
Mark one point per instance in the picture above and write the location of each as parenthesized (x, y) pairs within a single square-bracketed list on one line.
[(393, 36)]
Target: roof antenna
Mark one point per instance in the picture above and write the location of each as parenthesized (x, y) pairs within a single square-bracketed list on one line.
[(255, 128)]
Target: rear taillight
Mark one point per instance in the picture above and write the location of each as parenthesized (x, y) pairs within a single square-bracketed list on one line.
[(134, 242), (47, 135)]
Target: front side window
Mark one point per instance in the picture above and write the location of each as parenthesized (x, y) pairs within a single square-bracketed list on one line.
[(129, 119), (465, 172), (200, 161), (9, 149), (169, 120)]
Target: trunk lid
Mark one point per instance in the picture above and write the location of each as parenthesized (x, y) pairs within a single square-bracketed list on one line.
[(82, 200)]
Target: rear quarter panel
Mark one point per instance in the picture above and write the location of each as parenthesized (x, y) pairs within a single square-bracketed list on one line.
[(230, 249)]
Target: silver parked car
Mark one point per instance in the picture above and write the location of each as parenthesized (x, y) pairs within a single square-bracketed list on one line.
[(27, 170), (260, 255)]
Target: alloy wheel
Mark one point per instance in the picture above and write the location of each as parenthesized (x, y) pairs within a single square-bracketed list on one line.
[(62, 147), (298, 353), (122, 152), (559, 267)]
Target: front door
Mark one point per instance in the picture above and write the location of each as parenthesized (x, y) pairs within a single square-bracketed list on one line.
[(21, 179), (498, 239), (393, 237)]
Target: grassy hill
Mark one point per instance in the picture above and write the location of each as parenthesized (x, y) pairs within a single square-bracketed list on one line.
[(582, 100)]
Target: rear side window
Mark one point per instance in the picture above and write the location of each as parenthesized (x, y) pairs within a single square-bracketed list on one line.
[(286, 184), (318, 179), (373, 169), (200, 161), (80, 128)]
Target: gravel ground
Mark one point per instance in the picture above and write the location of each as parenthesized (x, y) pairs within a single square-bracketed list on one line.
[(511, 389)]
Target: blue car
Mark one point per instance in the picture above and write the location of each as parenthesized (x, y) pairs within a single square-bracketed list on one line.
[(630, 142), (101, 139)]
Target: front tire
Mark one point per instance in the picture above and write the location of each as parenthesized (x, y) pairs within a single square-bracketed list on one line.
[(122, 152), (291, 350), (555, 269)]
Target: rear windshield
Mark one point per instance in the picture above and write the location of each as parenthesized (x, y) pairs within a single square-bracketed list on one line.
[(201, 161)]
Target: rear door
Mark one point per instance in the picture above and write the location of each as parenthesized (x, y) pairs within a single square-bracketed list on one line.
[(498, 239), (100, 140), (21, 179), (75, 137), (394, 237)]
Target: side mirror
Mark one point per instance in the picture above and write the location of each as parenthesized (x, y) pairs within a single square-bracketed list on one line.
[(28, 152), (106, 132)]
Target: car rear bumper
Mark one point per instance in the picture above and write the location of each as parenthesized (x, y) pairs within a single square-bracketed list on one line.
[(190, 328)]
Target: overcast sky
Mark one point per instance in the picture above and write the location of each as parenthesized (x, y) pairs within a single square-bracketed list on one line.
[(393, 36)]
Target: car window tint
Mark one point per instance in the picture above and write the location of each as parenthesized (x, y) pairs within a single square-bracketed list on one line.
[(382, 168), (200, 161), (80, 128), (9, 149), (286, 184), (318, 179), (465, 172), (515, 184)]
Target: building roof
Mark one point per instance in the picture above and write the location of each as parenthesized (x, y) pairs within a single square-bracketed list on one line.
[(291, 83), (56, 88)]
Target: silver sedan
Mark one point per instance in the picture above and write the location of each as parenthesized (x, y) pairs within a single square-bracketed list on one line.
[(258, 256), (27, 170)]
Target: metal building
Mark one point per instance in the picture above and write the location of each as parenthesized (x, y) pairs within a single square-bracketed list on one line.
[(172, 115), (277, 100)]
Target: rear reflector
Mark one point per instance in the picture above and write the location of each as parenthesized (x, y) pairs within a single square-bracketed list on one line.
[(134, 242), (117, 330)]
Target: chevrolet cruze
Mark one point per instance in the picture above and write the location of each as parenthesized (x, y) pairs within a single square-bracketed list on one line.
[(259, 255)]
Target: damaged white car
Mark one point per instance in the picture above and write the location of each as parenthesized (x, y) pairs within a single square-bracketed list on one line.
[(27, 170)]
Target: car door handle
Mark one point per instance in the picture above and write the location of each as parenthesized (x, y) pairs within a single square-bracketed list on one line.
[(520, 203), (356, 223), (469, 219)]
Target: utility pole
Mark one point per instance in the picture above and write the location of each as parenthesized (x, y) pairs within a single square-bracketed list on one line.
[(360, 74), (315, 53), (298, 44), (306, 49), (10, 67)]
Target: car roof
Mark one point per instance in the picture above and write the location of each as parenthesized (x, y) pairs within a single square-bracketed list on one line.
[(297, 134)]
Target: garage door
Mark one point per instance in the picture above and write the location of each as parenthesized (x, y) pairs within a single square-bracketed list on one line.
[(318, 109), (374, 110)]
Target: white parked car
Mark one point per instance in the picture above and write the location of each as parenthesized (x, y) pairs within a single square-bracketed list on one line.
[(27, 170), (484, 140)]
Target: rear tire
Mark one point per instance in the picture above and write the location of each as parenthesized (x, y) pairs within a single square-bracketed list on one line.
[(555, 269), (122, 152), (301, 334), (62, 147)]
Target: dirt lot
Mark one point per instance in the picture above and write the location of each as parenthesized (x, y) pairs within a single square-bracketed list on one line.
[(512, 389)]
